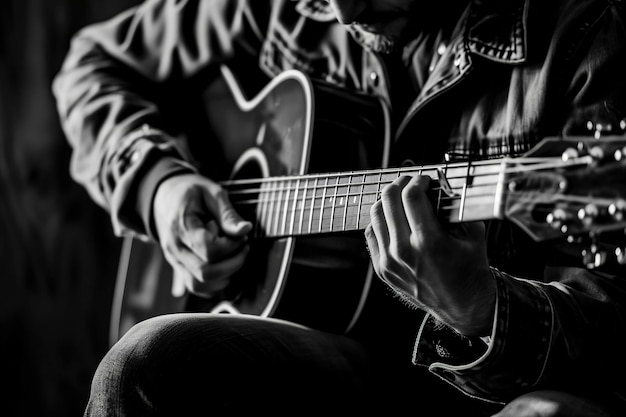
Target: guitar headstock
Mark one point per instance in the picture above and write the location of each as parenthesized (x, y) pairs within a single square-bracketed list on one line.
[(568, 187)]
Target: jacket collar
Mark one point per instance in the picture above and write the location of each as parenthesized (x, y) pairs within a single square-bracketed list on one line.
[(319, 10), (497, 30)]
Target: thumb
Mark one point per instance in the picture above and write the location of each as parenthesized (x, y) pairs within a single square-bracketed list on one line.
[(230, 221), (178, 282)]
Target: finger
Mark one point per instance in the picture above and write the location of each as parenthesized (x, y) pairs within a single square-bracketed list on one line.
[(418, 208), (229, 220), (372, 247), (199, 277), (395, 217), (181, 276), (209, 244), (180, 256), (185, 281), (179, 279), (213, 278), (218, 275), (203, 269), (379, 226), (470, 231)]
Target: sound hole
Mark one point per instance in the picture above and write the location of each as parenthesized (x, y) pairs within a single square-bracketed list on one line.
[(245, 196)]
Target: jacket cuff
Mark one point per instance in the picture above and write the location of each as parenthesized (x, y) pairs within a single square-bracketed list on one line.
[(514, 359), (162, 169), (147, 157)]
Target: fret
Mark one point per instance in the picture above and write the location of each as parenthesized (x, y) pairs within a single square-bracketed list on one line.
[(472, 200), (333, 201), (352, 204), (260, 225), (440, 191), (369, 196), (360, 203), (303, 205), (269, 214), (376, 196), (338, 203), (274, 208), (480, 198), (386, 179), (346, 204), (313, 203), (294, 208), (285, 210), (464, 190), (276, 201), (322, 205)]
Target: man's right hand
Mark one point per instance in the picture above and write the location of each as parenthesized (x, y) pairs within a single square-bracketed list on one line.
[(201, 235)]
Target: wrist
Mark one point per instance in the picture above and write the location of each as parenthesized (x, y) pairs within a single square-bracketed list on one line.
[(476, 319), (163, 169)]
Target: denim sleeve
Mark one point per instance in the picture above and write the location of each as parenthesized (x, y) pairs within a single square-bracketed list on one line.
[(106, 91)]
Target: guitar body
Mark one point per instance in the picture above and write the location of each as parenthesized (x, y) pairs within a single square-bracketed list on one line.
[(291, 127)]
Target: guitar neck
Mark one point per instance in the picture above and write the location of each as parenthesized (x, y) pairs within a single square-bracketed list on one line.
[(338, 202)]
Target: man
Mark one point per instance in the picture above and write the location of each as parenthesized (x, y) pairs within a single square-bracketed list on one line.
[(522, 328)]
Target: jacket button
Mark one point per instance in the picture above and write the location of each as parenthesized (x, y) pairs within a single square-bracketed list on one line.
[(134, 157), (374, 78)]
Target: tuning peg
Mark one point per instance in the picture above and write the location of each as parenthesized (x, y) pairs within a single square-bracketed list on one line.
[(620, 255), (574, 239), (597, 153), (617, 210), (619, 154), (569, 154), (559, 219), (588, 213), (593, 257), (599, 129)]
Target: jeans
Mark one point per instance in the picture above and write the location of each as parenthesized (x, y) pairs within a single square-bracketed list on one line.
[(193, 364)]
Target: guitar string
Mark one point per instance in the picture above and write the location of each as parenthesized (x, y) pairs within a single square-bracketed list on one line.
[(602, 202), (397, 171), (346, 196), (347, 186), (291, 205), (350, 221), (347, 216), (347, 211), (393, 170)]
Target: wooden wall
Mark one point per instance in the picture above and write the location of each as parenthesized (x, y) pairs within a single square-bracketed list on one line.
[(57, 253)]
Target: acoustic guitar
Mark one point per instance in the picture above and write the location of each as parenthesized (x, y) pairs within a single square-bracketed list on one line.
[(303, 200)]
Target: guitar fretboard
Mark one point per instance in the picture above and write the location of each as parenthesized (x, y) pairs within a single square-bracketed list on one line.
[(326, 203)]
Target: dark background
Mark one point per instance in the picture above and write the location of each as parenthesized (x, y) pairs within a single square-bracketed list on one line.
[(58, 255)]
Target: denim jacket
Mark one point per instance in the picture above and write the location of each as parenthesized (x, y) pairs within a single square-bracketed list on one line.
[(493, 83)]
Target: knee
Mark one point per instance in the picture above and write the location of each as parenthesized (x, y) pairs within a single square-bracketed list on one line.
[(136, 348), (120, 377), (550, 404)]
